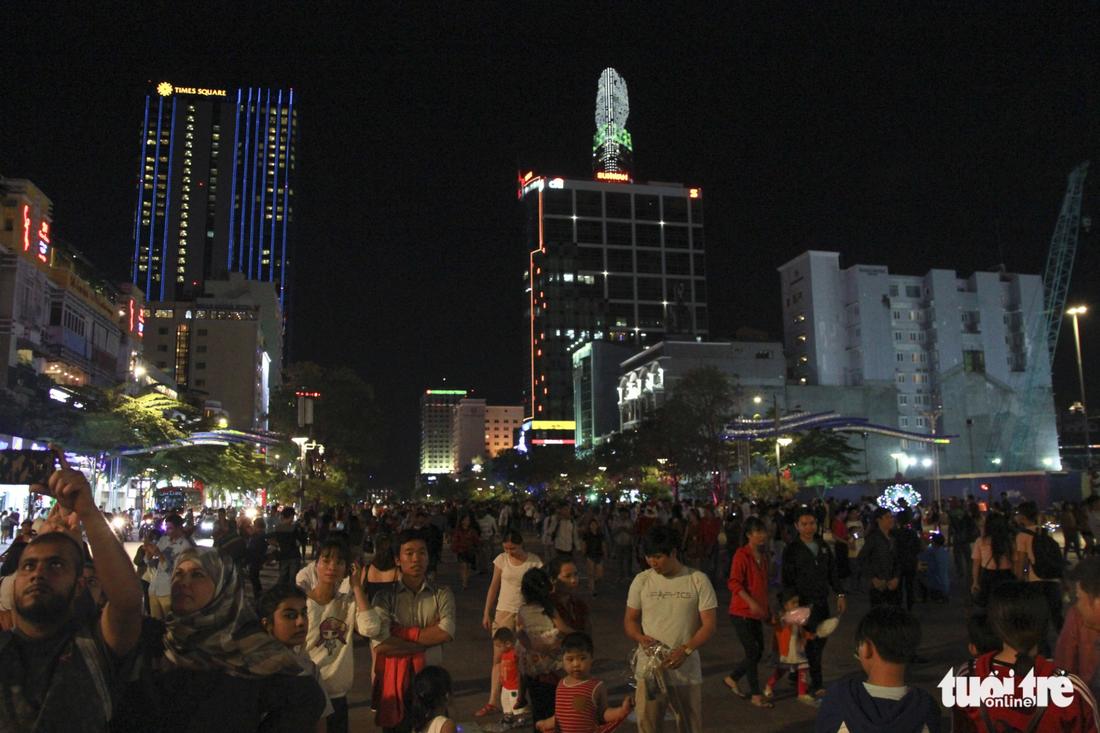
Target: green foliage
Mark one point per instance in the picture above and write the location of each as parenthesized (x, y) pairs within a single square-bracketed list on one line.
[(219, 468), (821, 459), (332, 489), (346, 419), (691, 424), (762, 486)]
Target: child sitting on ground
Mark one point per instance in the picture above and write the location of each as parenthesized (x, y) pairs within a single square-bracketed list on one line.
[(790, 643), (581, 701), (886, 639)]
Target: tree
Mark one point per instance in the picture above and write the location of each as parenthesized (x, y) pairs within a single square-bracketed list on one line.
[(692, 423), (822, 459), (346, 419), (764, 487)]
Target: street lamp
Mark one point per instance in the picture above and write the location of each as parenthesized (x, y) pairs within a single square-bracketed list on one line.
[(897, 458), (779, 442), (1080, 311), (305, 444)]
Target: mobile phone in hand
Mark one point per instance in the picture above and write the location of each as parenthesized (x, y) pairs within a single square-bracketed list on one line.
[(27, 467)]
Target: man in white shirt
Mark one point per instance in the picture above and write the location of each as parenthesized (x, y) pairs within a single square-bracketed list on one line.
[(561, 532), (673, 605)]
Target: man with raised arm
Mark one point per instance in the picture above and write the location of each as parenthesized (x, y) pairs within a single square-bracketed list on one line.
[(58, 664)]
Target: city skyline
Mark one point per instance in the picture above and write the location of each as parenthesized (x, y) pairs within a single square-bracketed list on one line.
[(914, 140)]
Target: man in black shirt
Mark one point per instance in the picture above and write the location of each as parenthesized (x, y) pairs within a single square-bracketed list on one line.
[(810, 569), (57, 665)]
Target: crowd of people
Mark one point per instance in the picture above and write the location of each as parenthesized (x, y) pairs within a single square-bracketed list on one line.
[(186, 637)]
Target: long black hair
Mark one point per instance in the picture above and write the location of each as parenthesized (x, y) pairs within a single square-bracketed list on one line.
[(996, 529), (428, 694), (536, 588), (1020, 614)]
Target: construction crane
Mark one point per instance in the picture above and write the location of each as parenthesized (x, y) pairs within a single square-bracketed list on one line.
[(1042, 332)]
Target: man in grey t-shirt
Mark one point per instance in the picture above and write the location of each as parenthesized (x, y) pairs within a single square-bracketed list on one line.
[(675, 605)]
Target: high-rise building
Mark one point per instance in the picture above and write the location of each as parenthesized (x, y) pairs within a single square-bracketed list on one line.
[(215, 189), (949, 352), (610, 259), (437, 419), (224, 346), (616, 261)]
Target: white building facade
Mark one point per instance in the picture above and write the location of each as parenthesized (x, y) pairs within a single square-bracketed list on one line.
[(954, 350)]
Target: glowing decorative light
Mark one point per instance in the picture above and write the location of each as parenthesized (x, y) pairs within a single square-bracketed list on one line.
[(612, 147), (44, 241), (26, 228), (164, 89), (893, 494)]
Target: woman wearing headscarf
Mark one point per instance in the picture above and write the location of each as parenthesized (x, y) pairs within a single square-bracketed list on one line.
[(219, 669)]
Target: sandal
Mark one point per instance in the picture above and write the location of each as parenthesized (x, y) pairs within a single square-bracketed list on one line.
[(732, 684), (489, 709)]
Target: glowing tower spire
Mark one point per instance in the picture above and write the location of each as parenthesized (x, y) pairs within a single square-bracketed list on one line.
[(612, 151)]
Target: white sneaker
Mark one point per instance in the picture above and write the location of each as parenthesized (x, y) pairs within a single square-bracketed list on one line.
[(827, 627)]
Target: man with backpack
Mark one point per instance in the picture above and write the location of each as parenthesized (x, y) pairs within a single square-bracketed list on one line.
[(1039, 558)]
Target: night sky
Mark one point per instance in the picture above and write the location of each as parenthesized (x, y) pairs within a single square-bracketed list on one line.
[(914, 137)]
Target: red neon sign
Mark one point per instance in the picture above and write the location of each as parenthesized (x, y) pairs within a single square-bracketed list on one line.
[(131, 314), (26, 228), (608, 176), (552, 441)]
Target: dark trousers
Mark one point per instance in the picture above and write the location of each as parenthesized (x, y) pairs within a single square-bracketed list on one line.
[(1053, 591), (254, 576), (288, 570), (338, 721), (908, 585), (541, 695), (840, 552), (815, 647), (1073, 540), (750, 632), (884, 597), (961, 552)]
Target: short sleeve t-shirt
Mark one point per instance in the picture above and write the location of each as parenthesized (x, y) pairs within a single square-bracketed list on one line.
[(511, 575), (670, 609)]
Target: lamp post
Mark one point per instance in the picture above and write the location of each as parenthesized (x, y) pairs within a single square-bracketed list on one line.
[(897, 457), (1080, 311), (301, 441), (778, 482)]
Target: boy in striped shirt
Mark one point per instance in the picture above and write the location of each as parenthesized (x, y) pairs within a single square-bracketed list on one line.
[(581, 700)]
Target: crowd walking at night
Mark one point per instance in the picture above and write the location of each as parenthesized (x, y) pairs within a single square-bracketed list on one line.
[(257, 630)]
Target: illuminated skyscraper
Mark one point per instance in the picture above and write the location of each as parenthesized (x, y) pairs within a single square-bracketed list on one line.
[(616, 261), (215, 189), (610, 259), (437, 423)]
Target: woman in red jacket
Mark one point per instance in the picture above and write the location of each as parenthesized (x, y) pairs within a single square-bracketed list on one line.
[(749, 608)]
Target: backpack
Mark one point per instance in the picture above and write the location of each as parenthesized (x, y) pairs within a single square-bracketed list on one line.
[(969, 529), (1049, 564)]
